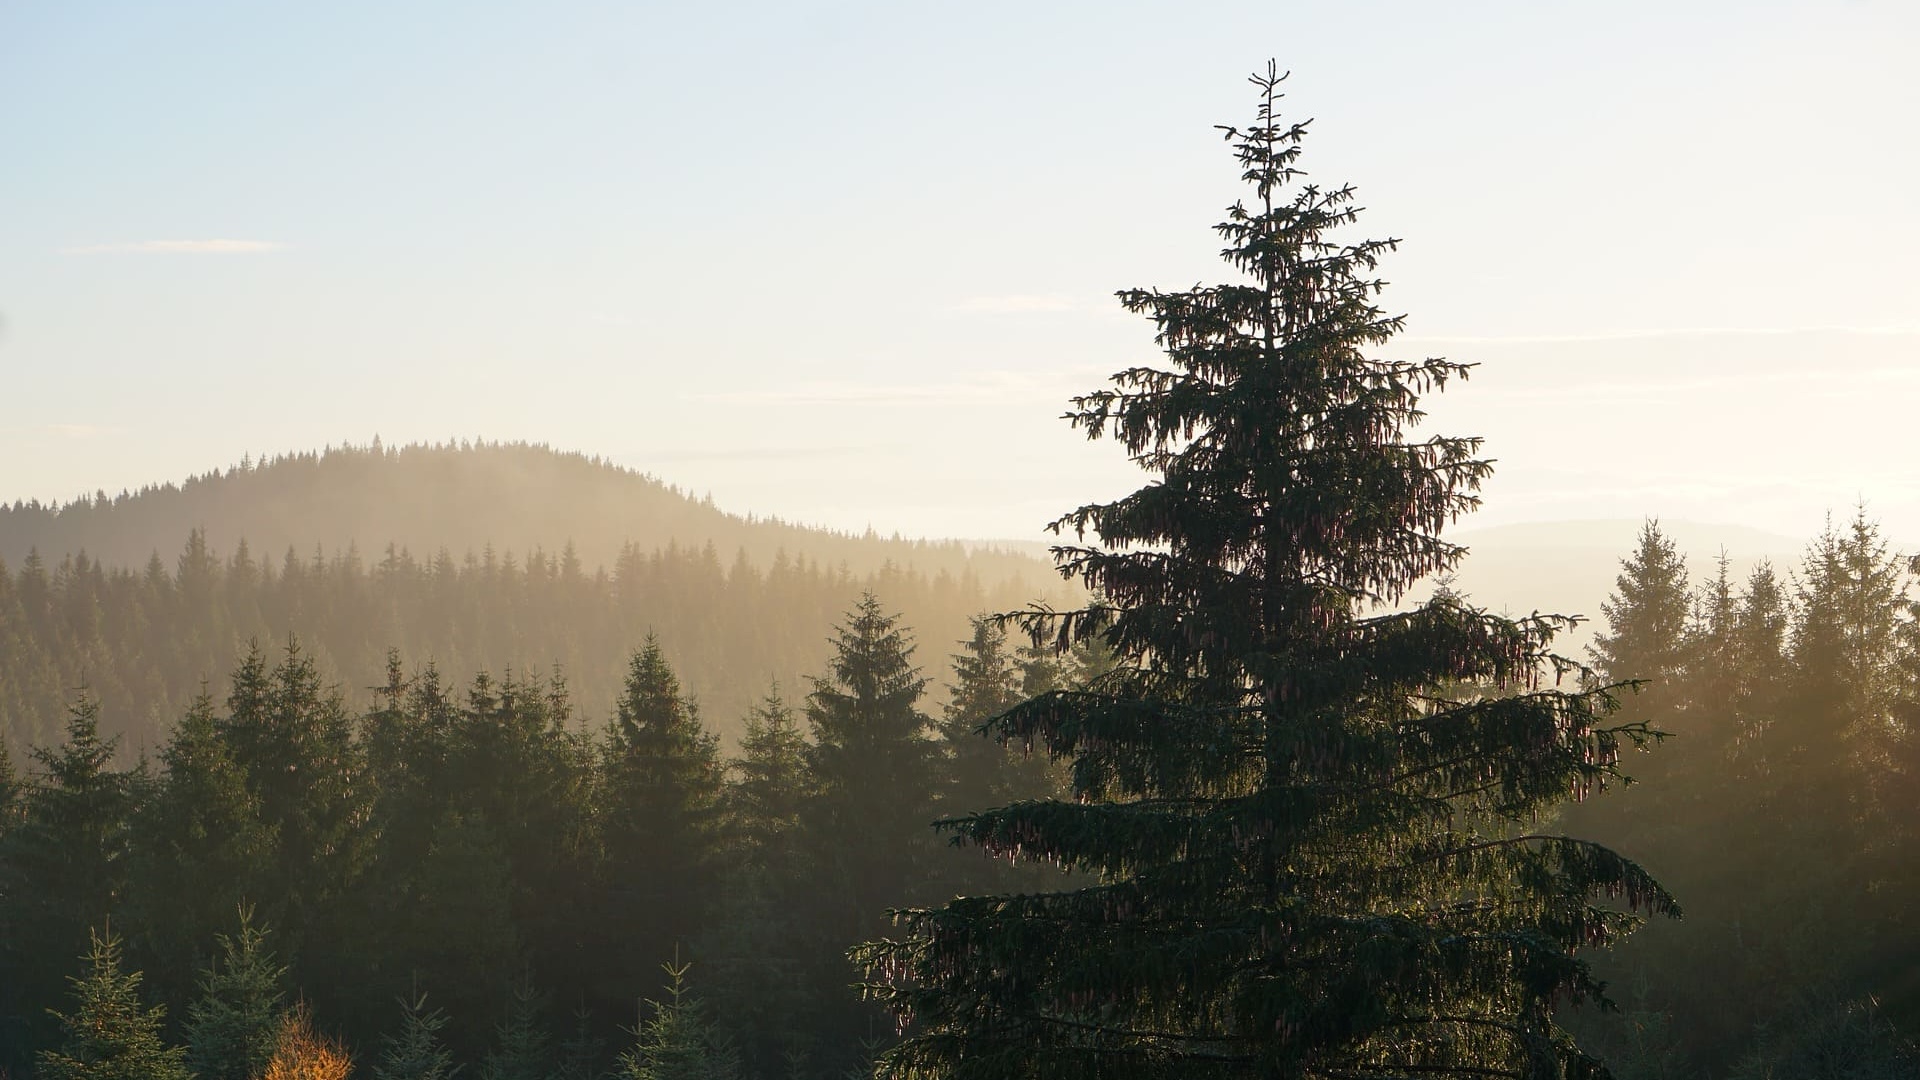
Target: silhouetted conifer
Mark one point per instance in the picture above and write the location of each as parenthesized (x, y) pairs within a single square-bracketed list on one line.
[(1309, 860), (1646, 616), (63, 869), (662, 782)]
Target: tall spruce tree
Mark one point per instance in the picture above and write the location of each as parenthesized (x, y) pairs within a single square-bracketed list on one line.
[(990, 677), (9, 787), (757, 961), (872, 764), (292, 737), (11, 1006), (63, 870), (1846, 639), (1309, 861), (987, 681), (1760, 623), (863, 829), (770, 779), (1647, 613), (199, 851), (663, 781), (1648, 640)]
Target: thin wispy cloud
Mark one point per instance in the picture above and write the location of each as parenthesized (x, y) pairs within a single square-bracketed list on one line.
[(69, 431), (1855, 383), (761, 453), (217, 246), (1648, 335), (987, 388), (1015, 304)]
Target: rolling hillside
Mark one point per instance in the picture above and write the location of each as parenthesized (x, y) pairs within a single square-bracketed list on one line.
[(466, 497), (517, 559), (508, 558)]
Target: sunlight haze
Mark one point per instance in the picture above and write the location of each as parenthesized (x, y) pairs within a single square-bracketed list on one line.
[(844, 263)]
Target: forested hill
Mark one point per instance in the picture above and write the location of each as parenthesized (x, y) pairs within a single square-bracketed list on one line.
[(455, 556), (465, 497)]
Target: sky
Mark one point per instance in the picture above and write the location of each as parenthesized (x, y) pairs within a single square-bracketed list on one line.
[(845, 262)]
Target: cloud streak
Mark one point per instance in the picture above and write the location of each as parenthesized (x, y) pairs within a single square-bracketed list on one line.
[(1856, 383), (1647, 335), (217, 246), (1016, 304), (986, 388)]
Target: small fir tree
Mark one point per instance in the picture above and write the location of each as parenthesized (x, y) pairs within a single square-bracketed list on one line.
[(416, 1052), (109, 1035), (581, 1054), (234, 1027), (679, 1042), (521, 1049)]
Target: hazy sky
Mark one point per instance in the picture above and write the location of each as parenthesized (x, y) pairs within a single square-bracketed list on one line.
[(844, 262)]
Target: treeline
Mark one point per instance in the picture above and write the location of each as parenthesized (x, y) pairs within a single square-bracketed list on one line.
[(473, 874), (456, 495), (144, 640), (1784, 812)]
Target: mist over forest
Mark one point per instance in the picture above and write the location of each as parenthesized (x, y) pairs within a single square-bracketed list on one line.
[(507, 558), (500, 758)]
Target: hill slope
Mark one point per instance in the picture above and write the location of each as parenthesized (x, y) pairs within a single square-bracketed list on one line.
[(511, 496), (526, 559)]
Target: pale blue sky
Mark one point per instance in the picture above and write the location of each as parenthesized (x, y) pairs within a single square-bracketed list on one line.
[(843, 262)]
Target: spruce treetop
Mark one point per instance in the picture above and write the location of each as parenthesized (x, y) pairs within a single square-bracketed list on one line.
[(1647, 613)]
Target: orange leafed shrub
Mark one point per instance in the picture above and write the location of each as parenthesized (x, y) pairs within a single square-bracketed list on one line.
[(304, 1054)]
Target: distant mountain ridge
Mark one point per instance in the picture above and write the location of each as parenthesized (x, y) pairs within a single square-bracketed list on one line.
[(502, 557), (465, 497), (515, 557)]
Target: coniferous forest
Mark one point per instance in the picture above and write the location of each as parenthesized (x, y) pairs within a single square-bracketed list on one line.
[(338, 788)]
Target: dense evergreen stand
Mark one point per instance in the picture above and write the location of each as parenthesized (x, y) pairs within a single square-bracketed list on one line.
[(1312, 820)]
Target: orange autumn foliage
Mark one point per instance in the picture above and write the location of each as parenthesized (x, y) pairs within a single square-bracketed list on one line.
[(304, 1054)]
